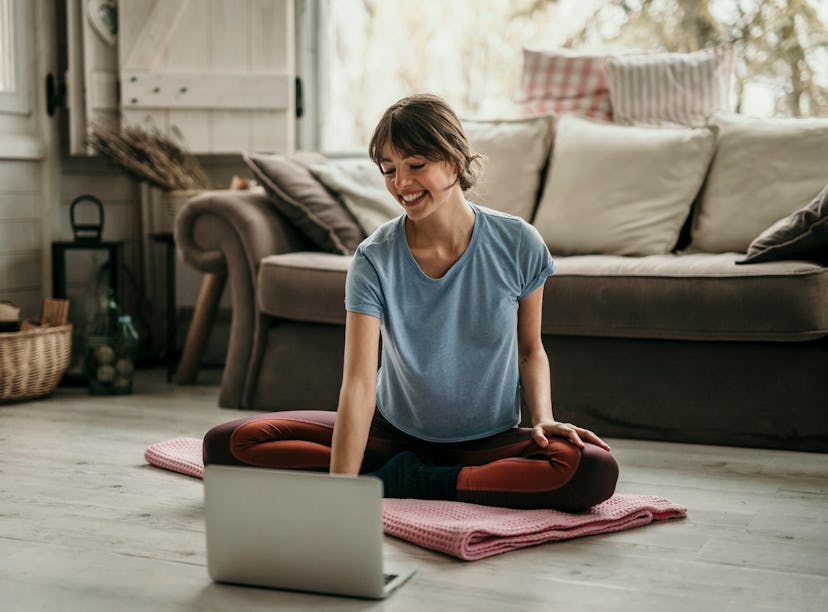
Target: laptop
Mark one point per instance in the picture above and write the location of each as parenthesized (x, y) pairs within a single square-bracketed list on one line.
[(297, 530)]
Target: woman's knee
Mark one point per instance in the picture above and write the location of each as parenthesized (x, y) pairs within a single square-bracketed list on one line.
[(594, 480), (233, 442), (216, 448)]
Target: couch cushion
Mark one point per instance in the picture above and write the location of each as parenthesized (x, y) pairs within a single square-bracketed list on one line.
[(680, 297), (801, 235), (361, 187), (516, 152), (670, 88), (564, 81), (295, 193), (620, 190), (304, 286), (763, 170), (686, 297)]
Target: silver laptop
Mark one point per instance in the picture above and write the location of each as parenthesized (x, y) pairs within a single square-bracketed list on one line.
[(303, 531)]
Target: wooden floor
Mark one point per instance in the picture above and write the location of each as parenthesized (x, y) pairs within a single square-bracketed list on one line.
[(86, 525)]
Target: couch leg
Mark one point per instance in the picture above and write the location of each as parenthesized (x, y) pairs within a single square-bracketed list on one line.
[(204, 315)]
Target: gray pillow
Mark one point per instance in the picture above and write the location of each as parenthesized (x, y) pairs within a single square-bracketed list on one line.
[(312, 209), (801, 235), (361, 187)]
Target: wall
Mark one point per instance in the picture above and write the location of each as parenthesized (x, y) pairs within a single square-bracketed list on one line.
[(26, 168), (145, 296), (21, 234)]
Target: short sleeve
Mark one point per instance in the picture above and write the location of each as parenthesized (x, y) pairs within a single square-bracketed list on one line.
[(363, 291), (536, 264)]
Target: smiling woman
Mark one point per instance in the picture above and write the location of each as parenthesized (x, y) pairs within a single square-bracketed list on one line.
[(454, 293)]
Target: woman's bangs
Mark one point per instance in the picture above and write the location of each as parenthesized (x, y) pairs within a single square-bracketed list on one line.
[(411, 138)]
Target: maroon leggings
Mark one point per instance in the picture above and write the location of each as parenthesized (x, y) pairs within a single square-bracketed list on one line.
[(507, 469)]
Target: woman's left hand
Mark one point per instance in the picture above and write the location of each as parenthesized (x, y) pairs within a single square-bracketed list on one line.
[(576, 435)]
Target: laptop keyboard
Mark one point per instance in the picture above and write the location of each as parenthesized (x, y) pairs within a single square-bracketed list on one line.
[(389, 577)]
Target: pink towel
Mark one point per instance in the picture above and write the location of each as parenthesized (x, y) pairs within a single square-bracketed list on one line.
[(467, 531), (472, 532), (179, 455)]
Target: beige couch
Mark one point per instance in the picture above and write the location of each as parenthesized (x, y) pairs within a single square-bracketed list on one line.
[(653, 327)]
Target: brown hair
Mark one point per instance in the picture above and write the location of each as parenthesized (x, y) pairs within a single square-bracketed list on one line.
[(426, 125)]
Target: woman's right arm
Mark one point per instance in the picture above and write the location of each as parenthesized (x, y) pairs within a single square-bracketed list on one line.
[(357, 397)]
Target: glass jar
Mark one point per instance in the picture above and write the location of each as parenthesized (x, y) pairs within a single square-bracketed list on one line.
[(111, 350)]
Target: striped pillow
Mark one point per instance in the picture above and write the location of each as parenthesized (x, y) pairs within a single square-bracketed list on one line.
[(670, 88), (561, 81)]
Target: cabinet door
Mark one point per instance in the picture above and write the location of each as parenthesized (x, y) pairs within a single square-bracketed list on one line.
[(217, 74), (92, 73)]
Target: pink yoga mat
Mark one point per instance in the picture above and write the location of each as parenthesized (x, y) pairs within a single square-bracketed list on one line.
[(177, 455), (471, 532), (468, 531)]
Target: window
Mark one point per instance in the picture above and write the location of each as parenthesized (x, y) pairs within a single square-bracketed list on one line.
[(372, 52), (14, 95), (6, 47)]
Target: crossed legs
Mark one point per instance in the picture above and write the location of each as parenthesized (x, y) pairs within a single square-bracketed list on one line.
[(506, 469)]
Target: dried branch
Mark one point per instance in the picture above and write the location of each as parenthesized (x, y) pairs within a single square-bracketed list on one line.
[(149, 156)]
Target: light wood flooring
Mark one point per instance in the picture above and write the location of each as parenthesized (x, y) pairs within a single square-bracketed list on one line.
[(86, 525)]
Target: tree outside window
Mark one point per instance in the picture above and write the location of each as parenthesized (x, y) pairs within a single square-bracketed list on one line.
[(470, 51)]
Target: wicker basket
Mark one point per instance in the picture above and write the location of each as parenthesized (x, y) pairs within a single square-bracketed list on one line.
[(32, 362)]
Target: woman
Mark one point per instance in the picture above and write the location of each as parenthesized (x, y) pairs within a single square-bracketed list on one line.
[(454, 290)]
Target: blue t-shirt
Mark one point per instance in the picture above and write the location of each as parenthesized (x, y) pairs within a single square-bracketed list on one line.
[(449, 366)]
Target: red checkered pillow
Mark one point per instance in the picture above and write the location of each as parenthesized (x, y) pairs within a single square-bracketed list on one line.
[(670, 88), (562, 81)]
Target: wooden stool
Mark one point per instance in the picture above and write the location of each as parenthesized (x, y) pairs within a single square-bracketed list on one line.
[(204, 316)]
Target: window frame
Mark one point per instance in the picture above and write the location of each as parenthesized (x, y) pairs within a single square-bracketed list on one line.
[(311, 70), (16, 100)]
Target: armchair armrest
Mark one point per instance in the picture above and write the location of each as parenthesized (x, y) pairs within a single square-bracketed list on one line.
[(215, 223), (229, 232)]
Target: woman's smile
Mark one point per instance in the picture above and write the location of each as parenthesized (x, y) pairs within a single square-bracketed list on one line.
[(412, 198)]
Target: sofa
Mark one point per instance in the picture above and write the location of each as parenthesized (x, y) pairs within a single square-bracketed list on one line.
[(690, 301)]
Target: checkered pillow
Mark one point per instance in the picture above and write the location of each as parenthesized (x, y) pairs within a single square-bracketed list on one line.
[(561, 81), (670, 88)]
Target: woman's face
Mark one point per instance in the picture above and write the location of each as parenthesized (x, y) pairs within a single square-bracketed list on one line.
[(418, 184)]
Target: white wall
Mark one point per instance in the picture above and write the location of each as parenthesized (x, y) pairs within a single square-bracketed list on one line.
[(21, 234)]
